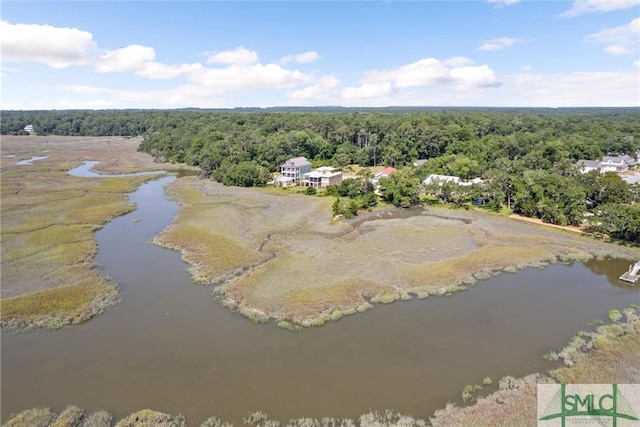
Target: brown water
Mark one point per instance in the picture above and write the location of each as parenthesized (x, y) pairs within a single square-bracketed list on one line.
[(168, 346)]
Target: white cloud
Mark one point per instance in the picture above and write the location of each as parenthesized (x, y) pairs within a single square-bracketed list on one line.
[(504, 2), (497, 44), (589, 6), (127, 59), (239, 56), (53, 46), (636, 64), (616, 49), (301, 58), (85, 89), (425, 72), (368, 90), (620, 40), (248, 77), (157, 70), (457, 61), (526, 68), (433, 72), (472, 77), (324, 89)]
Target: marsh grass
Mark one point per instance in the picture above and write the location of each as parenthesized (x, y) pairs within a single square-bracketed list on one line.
[(149, 418), (36, 417), (278, 254), (48, 221), (98, 419), (72, 416)]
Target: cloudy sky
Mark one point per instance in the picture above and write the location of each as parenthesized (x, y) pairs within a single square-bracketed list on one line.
[(163, 54)]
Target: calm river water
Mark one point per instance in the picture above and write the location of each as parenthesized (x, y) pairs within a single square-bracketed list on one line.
[(168, 346)]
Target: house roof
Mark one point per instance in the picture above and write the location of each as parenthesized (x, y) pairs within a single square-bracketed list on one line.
[(612, 159), (433, 178), (628, 159), (388, 171), (589, 163), (296, 162), (320, 174), (420, 162)]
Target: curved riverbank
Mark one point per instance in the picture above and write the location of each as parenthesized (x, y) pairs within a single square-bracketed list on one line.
[(49, 218)]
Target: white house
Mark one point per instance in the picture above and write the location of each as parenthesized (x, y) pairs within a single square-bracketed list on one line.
[(441, 179), (588, 165), (292, 171), (612, 164), (384, 173), (607, 164), (321, 177), (29, 129)]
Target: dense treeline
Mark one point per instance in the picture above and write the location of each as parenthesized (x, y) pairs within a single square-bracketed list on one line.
[(526, 157)]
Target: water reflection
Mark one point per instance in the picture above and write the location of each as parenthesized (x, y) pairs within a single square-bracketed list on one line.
[(612, 269), (84, 171)]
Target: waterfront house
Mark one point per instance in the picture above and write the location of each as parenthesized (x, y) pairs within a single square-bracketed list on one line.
[(321, 177), (292, 170), (384, 173)]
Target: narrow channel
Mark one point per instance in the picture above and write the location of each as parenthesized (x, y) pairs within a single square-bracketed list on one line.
[(170, 347)]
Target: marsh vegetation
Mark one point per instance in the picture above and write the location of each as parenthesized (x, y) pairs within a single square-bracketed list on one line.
[(275, 254), (49, 278)]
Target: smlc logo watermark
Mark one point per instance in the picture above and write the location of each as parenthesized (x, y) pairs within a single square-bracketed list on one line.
[(565, 405)]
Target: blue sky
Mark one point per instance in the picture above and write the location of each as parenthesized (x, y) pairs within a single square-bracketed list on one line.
[(163, 54)]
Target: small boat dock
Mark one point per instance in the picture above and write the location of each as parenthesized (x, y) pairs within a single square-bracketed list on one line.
[(633, 275)]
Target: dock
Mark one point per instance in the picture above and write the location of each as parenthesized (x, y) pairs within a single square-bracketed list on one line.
[(633, 275)]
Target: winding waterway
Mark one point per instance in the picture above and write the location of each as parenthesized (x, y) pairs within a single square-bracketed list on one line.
[(168, 346)]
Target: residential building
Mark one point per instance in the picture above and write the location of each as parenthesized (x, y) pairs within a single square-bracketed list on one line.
[(612, 164), (588, 165), (292, 171), (322, 177), (607, 164), (384, 173), (441, 179), (29, 129)]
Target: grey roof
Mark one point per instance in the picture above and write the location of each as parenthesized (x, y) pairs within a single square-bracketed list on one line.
[(628, 159), (296, 162), (589, 163), (612, 159)]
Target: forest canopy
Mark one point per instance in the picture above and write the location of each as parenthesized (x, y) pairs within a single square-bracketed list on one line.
[(526, 157)]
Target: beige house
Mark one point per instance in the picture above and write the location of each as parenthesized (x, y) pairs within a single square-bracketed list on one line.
[(322, 177)]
